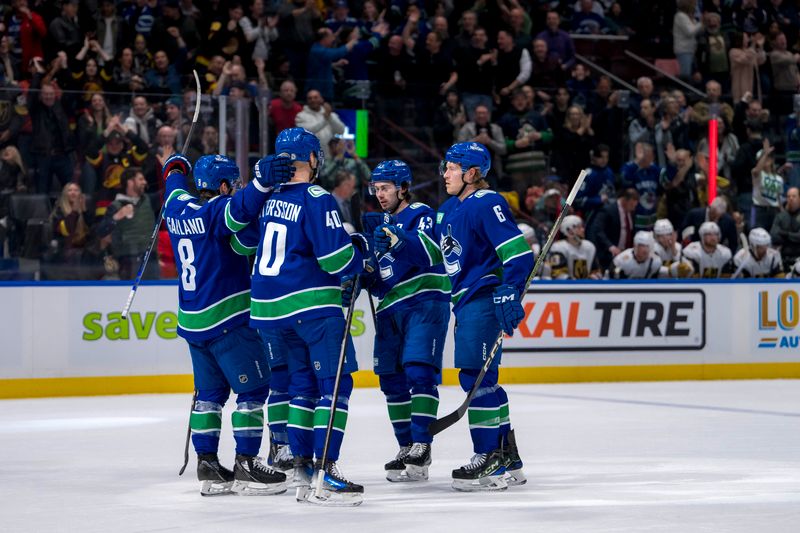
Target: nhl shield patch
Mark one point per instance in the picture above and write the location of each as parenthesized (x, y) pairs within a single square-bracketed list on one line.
[(242, 378)]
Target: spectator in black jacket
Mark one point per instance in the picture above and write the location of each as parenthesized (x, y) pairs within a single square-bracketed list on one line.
[(716, 212), (786, 229), (612, 230), (53, 145)]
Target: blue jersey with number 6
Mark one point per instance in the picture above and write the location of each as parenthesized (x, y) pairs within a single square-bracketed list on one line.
[(303, 253), (210, 255), (479, 244)]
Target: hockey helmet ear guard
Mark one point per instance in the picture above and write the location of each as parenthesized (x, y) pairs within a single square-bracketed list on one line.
[(393, 170), (299, 144), (211, 170), (468, 155)]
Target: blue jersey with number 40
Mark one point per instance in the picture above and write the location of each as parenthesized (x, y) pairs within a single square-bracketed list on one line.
[(210, 254), (303, 253)]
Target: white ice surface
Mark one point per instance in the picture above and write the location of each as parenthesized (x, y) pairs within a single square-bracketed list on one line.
[(650, 457)]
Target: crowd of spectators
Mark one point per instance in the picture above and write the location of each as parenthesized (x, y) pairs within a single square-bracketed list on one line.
[(94, 98)]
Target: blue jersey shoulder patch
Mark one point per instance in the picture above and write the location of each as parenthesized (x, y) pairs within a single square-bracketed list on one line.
[(316, 191)]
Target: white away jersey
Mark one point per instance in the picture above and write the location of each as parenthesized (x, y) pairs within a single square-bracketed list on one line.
[(770, 266), (572, 262), (670, 259), (705, 265), (627, 267)]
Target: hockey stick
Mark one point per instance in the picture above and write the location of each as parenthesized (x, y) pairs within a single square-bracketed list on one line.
[(153, 237), (448, 420), (188, 436), (335, 398), (746, 248)]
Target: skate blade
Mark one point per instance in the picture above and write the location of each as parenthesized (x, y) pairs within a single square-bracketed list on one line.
[(489, 483), (415, 473), (297, 483), (329, 498), (514, 478), (397, 476), (251, 488), (216, 488)]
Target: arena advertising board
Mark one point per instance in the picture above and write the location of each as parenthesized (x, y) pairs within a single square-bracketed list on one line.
[(76, 330)]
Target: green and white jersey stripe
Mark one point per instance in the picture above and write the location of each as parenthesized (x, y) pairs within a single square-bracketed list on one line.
[(512, 248), (174, 194), (431, 248), (296, 302), (240, 248), (233, 224), (337, 260), (216, 313), (411, 287)]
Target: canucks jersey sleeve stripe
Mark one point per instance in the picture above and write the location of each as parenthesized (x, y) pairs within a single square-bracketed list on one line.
[(174, 194), (337, 261), (413, 286), (296, 302), (233, 224), (431, 248), (240, 248), (215, 314), (513, 248), (457, 296)]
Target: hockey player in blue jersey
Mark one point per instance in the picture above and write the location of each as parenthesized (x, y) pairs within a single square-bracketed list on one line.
[(303, 258), (214, 300), (488, 262), (412, 316)]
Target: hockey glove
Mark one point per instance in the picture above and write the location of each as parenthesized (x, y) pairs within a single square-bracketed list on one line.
[(273, 170), (177, 162), (350, 289), (507, 308), (360, 241), (389, 237)]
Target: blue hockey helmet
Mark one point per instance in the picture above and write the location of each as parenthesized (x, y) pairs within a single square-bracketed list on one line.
[(468, 155), (393, 170), (211, 170), (299, 144)]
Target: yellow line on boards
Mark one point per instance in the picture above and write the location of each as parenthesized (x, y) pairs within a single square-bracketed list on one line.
[(105, 385)]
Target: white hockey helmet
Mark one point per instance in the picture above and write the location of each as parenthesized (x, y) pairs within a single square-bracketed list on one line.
[(663, 227), (527, 232), (709, 227), (569, 223), (759, 237), (644, 238)]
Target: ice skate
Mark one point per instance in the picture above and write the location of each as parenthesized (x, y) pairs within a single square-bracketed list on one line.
[(396, 467), (280, 457), (484, 472), (514, 475), (254, 478), (417, 462), (330, 488), (302, 472), (216, 479)]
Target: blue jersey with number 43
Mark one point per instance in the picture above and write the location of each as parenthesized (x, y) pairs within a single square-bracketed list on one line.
[(302, 255), (479, 244), (211, 257), (401, 284)]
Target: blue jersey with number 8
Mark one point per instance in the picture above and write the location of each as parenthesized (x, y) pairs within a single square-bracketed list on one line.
[(211, 257), (303, 253)]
